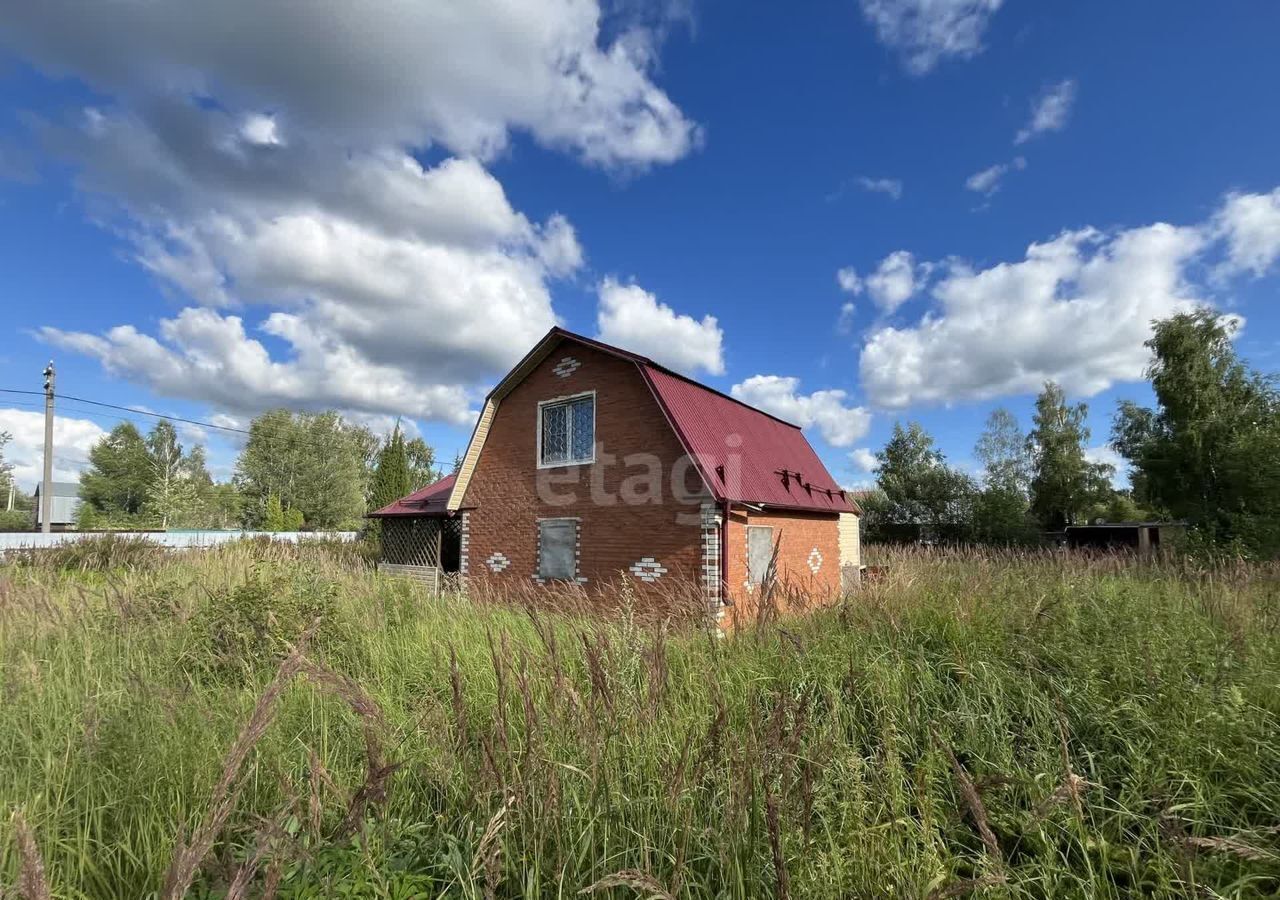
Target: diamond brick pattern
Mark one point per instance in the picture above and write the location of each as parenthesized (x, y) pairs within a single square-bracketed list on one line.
[(497, 562), (648, 569), (566, 367), (815, 560)]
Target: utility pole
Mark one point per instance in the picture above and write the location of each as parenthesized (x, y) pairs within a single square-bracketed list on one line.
[(46, 492)]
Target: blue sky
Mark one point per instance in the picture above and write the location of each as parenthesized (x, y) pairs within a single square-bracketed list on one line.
[(850, 212)]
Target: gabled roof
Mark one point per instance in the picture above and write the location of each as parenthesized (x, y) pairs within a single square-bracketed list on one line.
[(744, 454), (61, 488), (426, 501)]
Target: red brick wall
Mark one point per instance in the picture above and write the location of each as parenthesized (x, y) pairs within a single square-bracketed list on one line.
[(509, 493), (798, 534)]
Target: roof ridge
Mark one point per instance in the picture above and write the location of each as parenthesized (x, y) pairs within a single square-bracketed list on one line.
[(646, 361), (719, 393)]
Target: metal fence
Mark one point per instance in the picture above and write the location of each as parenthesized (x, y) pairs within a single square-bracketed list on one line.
[(22, 540)]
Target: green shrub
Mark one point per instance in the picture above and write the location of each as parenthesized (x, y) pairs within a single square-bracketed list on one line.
[(249, 626), (16, 520), (358, 554), (99, 553)]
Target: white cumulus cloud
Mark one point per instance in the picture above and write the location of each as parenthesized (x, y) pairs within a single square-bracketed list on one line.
[(1108, 456), (987, 181), (632, 318), (896, 280), (281, 177), (864, 459), (1049, 111), (464, 73), (384, 278), (72, 440), (827, 411), (849, 281), (925, 32), (261, 130), (206, 356), (1076, 310), (1251, 225), (891, 187)]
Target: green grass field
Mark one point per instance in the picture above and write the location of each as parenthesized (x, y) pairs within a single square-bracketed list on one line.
[(973, 724)]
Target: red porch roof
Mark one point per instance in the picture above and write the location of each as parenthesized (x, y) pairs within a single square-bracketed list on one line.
[(425, 501)]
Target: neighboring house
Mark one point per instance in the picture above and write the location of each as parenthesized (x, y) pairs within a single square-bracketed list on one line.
[(589, 462), (66, 504)]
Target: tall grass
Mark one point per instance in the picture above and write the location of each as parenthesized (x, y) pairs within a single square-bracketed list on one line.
[(260, 720)]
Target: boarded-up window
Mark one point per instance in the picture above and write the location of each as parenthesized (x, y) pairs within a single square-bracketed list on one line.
[(759, 552), (557, 553)]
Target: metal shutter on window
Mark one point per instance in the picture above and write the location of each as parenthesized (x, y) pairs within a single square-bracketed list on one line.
[(557, 554), (759, 552)]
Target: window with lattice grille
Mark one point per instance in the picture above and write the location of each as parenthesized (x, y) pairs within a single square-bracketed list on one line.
[(567, 431)]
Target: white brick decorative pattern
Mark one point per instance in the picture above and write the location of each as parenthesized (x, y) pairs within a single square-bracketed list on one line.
[(566, 367), (711, 560), (648, 570), (815, 560), (497, 562), (464, 544)]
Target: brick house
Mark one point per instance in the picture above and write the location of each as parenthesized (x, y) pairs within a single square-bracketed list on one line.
[(589, 461)]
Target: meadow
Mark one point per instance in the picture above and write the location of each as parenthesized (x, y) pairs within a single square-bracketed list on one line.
[(262, 720)]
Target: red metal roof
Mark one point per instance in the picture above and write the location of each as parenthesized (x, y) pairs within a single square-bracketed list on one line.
[(745, 454), (426, 501)]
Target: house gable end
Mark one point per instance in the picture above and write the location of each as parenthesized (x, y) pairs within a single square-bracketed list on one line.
[(635, 496)]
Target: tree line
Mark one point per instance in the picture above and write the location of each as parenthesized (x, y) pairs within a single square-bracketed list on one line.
[(1207, 454), (296, 471)]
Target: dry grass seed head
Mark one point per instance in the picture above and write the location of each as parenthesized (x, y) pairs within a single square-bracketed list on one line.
[(378, 771), (487, 858), (31, 879), (642, 883), (972, 799), (188, 855)]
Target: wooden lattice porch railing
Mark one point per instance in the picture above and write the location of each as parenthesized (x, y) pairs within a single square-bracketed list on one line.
[(420, 548), (411, 541)]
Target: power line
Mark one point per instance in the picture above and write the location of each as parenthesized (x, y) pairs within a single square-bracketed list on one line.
[(132, 410), (289, 442), (26, 404)]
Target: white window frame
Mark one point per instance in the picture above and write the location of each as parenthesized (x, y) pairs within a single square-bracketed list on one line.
[(564, 401)]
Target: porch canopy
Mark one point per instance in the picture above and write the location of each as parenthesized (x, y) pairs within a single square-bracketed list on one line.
[(418, 531)]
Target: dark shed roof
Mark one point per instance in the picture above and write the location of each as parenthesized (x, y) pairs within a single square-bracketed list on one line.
[(426, 501)]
